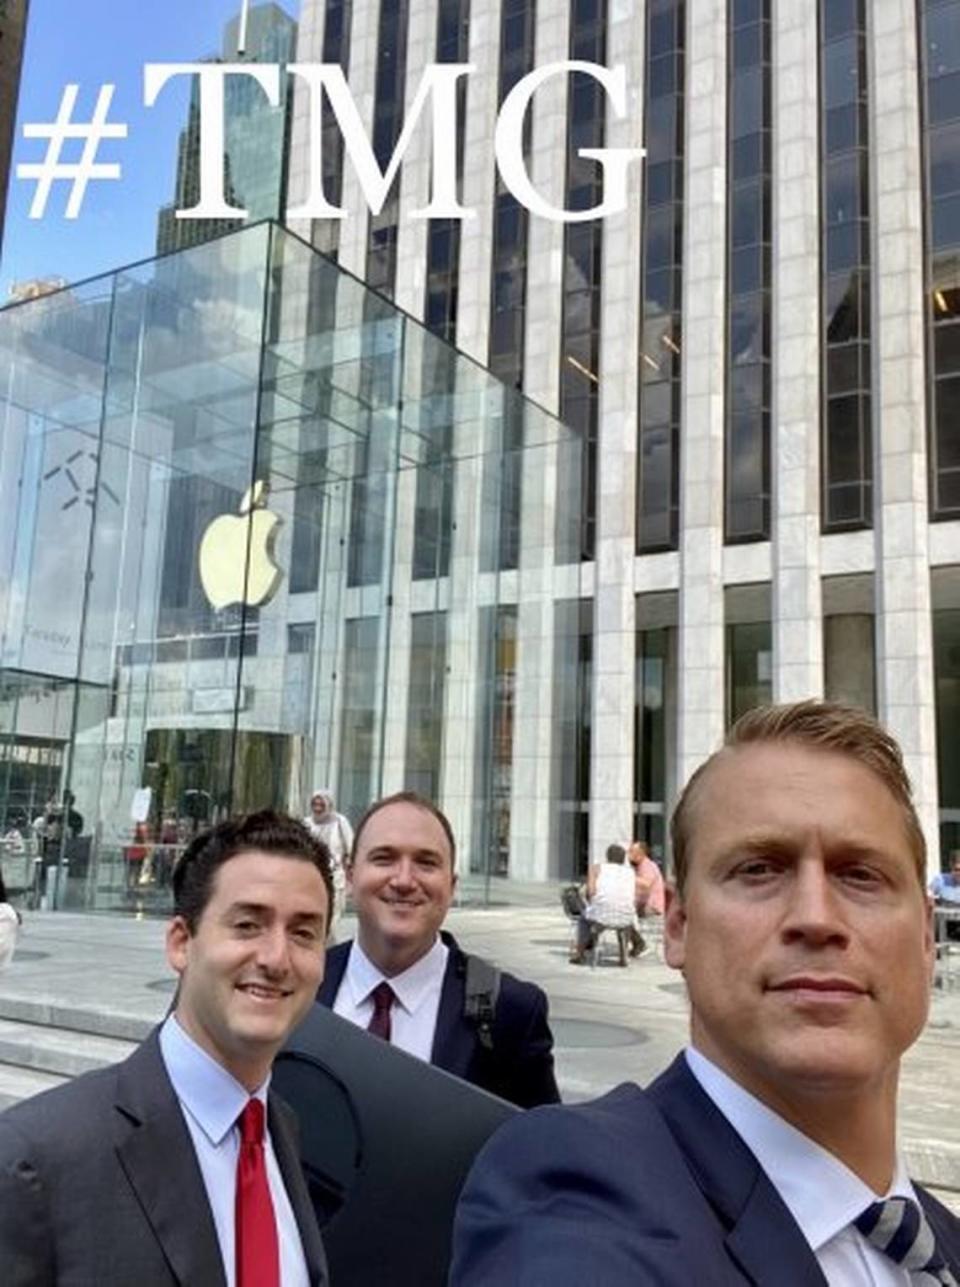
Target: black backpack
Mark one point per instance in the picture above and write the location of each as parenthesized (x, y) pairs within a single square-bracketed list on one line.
[(480, 992)]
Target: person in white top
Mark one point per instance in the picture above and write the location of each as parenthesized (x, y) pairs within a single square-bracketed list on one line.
[(767, 1153), (335, 831), (611, 900), (9, 927)]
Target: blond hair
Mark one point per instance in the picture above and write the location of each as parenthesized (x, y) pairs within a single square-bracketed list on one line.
[(826, 726)]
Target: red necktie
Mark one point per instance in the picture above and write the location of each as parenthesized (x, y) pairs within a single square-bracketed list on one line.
[(383, 999), (258, 1253)]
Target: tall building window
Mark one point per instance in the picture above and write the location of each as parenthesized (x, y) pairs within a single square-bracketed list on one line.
[(508, 300), (443, 235), (389, 92), (359, 754), (434, 505), (425, 703), (846, 435), (338, 17), (508, 293), (658, 458), (749, 649), (747, 436), (940, 54), (655, 717), (581, 302), (433, 517), (572, 682), (945, 597), (490, 852)]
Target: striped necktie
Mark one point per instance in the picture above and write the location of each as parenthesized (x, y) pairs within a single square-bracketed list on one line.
[(900, 1230)]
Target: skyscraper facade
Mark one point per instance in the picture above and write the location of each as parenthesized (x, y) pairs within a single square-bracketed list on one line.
[(256, 136), (760, 354)]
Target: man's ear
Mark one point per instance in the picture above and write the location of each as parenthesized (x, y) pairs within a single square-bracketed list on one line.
[(674, 927), (930, 935), (178, 944)]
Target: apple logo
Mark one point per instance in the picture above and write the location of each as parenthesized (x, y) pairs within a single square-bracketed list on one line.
[(227, 575)]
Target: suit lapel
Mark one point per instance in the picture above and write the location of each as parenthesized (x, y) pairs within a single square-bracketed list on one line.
[(944, 1227), (453, 1038), (283, 1132), (761, 1232), (334, 970), (157, 1156)]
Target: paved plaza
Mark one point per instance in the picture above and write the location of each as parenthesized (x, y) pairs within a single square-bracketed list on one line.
[(83, 988)]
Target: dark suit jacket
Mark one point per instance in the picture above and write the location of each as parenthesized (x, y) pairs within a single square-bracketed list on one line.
[(639, 1187), (519, 1068), (100, 1185)]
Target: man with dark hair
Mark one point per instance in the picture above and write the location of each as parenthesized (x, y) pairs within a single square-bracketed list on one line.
[(177, 1166), (766, 1153), (408, 982)]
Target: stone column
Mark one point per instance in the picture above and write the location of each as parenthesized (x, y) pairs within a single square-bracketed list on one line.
[(614, 642), (700, 645), (797, 624), (904, 626), (533, 794)]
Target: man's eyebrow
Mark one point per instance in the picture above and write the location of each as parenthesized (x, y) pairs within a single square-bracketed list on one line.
[(245, 909), (760, 844)]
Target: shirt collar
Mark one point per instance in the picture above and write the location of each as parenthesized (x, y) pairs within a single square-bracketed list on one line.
[(213, 1096), (411, 987), (822, 1194)]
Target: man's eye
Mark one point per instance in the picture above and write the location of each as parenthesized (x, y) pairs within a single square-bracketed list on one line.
[(306, 934), (756, 869), (861, 875), (246, 927)]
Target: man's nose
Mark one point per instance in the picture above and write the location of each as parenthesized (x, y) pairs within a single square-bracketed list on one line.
[(403, 873), (813, 911), (273, 950)]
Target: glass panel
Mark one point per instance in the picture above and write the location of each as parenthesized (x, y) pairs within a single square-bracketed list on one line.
[(206, 450)]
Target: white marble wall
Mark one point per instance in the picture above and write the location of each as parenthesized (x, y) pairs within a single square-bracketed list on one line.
[(533, 742), (904, 626), (612, 767), (701, 678), (897, 552), (411, 273), (479, 181), (795, 339)]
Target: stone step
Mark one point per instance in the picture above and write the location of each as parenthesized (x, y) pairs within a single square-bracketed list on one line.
[(60, 1051), (20, 1083), (100, 1023)]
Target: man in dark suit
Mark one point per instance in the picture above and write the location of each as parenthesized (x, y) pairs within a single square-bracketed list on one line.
[(766, 1154), (406, 981), (158, 1171)]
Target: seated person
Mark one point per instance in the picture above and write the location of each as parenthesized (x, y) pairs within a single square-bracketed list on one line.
[(649, 892), (945, 889), (611, 897)]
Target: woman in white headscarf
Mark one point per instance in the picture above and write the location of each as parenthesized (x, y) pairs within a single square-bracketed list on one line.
[(335, 831)]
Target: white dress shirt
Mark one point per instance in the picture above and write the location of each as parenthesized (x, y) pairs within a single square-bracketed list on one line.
[(822, 1195), (211, 1101), (413, 1015)]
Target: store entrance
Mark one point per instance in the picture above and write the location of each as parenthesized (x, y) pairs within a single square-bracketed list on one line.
[(193, 778)]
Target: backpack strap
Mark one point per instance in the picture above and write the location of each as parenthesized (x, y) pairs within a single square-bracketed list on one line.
[(480, 992)]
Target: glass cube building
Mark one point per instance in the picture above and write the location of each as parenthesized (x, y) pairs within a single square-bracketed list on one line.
[(261, 533)]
